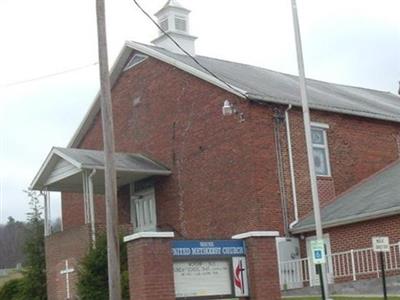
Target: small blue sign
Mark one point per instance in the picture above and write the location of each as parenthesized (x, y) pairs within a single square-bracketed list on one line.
[(318, 254), (221, 248)]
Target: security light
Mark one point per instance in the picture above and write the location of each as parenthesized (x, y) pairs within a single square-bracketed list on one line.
[(227, 109)]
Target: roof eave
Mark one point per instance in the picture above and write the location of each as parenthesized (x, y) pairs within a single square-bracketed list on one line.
[(269, 99), (95, 106), (54, 151), (350, 220)]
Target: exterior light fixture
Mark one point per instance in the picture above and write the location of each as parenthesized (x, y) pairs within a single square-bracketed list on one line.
[(227, 109)]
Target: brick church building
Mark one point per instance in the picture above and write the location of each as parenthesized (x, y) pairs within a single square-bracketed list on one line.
[(213, 185)]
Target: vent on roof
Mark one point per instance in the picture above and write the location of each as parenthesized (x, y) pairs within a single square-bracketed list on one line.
[(180, 24), (135, 60), (164, 24)]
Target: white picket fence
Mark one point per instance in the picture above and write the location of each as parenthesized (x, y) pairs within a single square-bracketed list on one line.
[(345, 265)]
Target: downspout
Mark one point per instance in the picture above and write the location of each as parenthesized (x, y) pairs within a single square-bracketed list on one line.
[(91, 207), (291, 168), (46, 213), (278, 120)]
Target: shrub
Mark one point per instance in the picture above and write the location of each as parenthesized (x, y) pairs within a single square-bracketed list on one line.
[(11, 290), (93, 272)]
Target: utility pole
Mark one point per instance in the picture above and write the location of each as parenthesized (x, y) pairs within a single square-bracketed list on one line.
[(307, 128), (114, 276)]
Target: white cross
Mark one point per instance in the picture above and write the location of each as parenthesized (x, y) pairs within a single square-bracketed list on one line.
[(66, 272)]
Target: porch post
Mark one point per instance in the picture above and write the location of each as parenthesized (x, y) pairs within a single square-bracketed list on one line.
[(88, 191), (85, 189), (91, 208), (47, 226)]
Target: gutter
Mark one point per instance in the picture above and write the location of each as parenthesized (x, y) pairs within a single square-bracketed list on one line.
[(350, 220)]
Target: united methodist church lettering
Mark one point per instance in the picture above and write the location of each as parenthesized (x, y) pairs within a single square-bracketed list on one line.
[(209, 248)]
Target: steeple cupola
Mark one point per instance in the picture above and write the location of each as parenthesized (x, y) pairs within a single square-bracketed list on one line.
[(173, 18)]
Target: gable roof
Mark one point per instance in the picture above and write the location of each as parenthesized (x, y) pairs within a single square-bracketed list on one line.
[(264, 85), (377, 196)]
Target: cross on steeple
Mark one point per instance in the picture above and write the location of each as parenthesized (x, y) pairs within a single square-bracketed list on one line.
[(66, 272)]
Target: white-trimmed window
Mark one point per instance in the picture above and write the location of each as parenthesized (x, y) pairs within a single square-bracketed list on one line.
[(180, 23), (320, 149), (135, 60), (143, 208)]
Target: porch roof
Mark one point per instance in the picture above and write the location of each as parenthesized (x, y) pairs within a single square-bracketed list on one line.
[(63, 168), (375, 197)]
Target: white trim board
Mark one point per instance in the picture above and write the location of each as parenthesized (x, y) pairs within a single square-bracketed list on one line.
[(251, 234), (148, 235)]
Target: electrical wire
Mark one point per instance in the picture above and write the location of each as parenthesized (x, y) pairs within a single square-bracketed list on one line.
[(48, 75), (187, 53)]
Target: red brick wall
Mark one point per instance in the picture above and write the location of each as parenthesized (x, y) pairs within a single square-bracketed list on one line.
[(263, 269), (359, 235), (358, 148), (150, 270), (178, 121), (73, 208), (71, 244)]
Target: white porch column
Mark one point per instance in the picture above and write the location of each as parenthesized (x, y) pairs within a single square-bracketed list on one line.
[(47, 214)]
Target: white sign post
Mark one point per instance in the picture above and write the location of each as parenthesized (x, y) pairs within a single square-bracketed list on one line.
[(381, 244)]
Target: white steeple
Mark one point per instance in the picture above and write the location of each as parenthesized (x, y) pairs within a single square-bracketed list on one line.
[(173, 18)]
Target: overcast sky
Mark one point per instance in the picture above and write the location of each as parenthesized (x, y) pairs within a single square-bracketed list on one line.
[(355, 42)]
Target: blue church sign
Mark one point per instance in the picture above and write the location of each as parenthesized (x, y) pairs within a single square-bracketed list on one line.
[(214, 248)]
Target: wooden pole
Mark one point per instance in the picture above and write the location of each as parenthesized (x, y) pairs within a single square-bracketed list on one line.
[(114, 277)]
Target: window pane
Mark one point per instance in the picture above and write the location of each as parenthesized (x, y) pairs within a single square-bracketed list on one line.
[(317, 136), (147, 212), (321, 167), (137, 214)]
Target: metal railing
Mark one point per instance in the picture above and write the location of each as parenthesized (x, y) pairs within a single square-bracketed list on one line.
[(349, 265)]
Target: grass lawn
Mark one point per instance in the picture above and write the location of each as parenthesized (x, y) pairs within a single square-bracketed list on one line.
[(344, 298), (12, 275)]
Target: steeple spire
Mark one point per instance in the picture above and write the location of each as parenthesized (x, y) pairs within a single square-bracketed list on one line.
[(173, 18)]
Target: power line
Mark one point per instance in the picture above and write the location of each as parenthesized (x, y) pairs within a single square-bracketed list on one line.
[(187, 53), (49, 75)]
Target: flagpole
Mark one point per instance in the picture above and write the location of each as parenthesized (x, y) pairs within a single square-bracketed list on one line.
[(307, 128)]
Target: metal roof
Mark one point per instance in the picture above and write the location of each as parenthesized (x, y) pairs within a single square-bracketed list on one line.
[(375, 197), (261, 84), (94, 159), (63, 167), (266, 85)]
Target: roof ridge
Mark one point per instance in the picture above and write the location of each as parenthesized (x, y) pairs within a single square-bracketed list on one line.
[(270, 70), (293, 75)]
